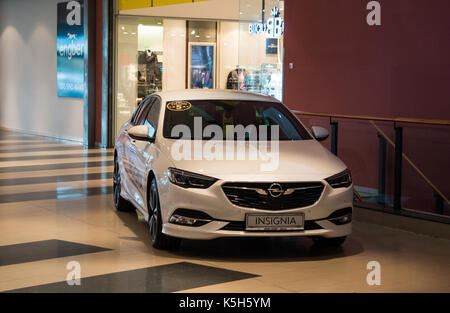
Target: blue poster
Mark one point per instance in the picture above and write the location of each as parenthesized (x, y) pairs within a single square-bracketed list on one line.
[(202, 67), (70, 49)]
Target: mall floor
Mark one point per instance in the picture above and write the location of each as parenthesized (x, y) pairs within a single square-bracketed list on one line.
[(56, 207)]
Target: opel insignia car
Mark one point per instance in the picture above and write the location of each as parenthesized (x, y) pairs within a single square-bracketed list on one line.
[(179, 163)]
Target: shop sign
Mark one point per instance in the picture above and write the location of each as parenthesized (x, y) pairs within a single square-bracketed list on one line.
[(70, 49), (274, 27), (140, 4), (272, 46)]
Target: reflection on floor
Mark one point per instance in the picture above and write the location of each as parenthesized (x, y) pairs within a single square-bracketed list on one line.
[(56, 207)]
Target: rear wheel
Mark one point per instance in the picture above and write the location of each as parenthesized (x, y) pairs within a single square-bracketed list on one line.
[(157, 238), (120, 203), (329, 242)]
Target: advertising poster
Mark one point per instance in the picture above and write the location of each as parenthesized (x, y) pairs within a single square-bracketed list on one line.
[(70, 49), (202, 66)]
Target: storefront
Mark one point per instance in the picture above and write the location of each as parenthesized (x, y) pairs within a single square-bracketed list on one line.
[(225, 44)]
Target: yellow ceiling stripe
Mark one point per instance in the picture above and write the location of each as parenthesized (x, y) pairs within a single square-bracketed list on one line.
[(139, 4)]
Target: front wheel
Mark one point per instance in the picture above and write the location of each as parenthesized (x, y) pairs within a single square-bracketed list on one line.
[(120, 203), (157, 238), (329, 242)]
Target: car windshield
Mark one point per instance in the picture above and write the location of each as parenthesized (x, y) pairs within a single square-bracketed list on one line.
[(213, 117)]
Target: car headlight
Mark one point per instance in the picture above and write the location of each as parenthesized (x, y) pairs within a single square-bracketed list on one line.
[(341, 180), (189, 180)]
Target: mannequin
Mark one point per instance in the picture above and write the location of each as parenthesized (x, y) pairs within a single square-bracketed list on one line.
[(153, 72), (236, 79)]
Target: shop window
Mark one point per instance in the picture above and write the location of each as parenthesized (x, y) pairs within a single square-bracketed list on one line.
[(172, 52), (261, 30), (139, 63)]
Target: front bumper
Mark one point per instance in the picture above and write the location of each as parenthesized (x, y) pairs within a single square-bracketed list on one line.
[(213, 230), (214, 202)]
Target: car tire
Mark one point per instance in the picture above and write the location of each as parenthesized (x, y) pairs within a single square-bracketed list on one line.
[(329, 242), (120, 203), (158, 240)]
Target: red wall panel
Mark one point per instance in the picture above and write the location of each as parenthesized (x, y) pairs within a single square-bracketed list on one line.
[(401, 68), (398, 69)]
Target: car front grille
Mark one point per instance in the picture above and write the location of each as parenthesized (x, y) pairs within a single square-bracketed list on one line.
[(257, 195)]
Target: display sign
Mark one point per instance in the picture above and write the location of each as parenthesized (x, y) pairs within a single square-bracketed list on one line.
[(201, 65), (273, 28), (139, 4), (70, 49), (272, 46)]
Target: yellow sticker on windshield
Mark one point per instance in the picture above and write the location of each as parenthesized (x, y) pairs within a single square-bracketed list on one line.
[(179, 106)]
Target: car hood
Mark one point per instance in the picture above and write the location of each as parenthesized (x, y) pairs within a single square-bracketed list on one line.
[(304, 160)]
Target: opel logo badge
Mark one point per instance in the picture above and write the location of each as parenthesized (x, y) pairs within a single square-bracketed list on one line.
[(275, 190)]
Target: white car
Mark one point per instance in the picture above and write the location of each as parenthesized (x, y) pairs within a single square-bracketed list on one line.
[(190, 184)]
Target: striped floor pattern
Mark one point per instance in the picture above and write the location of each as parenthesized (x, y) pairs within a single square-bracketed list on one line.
[(56, 209), (32, 168)]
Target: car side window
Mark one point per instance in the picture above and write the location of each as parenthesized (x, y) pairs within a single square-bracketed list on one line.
[(140, 116), (152, 118), (136, 112)]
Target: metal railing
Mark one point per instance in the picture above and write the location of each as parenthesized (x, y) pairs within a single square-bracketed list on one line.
[(399, 156)]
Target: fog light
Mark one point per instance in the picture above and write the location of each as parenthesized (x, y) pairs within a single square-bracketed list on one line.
[(187, 221), (341, 220), (182, 220)]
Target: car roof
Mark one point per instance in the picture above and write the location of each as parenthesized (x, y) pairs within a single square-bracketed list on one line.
[(212, 94)]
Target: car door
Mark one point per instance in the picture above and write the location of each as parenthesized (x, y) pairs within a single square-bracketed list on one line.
[(146, 151), (131, 161)]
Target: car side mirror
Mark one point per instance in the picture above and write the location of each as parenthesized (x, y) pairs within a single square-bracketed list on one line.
[(320, 133), (140, 132)]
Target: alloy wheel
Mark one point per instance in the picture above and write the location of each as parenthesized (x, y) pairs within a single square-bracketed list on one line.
[(116, 184), (153, 207)]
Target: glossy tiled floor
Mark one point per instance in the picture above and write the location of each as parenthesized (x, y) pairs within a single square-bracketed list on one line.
[(56, 207)]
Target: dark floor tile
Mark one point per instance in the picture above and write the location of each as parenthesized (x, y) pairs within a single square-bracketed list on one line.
[(33, 143), (43, 250), (164, 278), (59, 156), (56, 148), (54, 179), (47, 167), (62, 193)]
